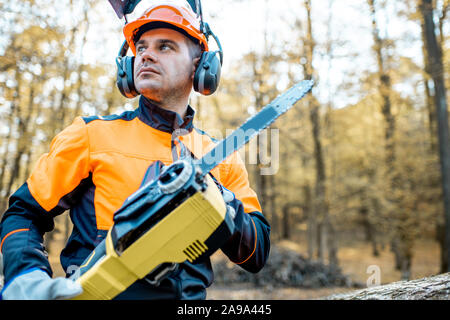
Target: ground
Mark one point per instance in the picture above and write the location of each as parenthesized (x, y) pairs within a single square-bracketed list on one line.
[(355, 257), (354, 261)]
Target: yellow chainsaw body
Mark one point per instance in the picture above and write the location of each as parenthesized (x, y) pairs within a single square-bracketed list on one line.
[(178, 237)]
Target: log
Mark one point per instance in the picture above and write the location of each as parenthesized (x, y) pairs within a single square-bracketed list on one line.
[(429, 288)]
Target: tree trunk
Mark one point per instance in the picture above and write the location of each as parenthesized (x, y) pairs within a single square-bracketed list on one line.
[(431, 109), (7, 143), (369, 230), (442, 19), (32, 133), (436, 67), (326, 236), (286, 222), (273, 208), (312, 221), (428, 96), (15, 112), (263, 182), (430, 288), (23, 140), (384, 89), (392, 177), (62, 108), (80, 83)]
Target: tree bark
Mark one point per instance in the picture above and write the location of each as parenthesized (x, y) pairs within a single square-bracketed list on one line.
[(400, 244), (428, 95), (23, 140), (436, 68), (263, 182), (80, 83), (429, 288), (326, 236), (15, 112), (32, 134), (312, 221), (286, 231), (369, 230), (4, 164)]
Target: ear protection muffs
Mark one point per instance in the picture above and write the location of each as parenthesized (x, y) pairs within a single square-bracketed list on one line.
[(125, 73), (206, 77), (207, 74)]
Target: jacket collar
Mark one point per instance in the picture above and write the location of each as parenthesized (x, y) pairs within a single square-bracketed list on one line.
[(162, 119)]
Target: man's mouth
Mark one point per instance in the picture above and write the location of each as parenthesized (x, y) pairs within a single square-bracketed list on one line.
[(147, 70)]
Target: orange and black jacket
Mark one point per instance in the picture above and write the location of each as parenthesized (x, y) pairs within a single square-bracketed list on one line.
[(92, 167)]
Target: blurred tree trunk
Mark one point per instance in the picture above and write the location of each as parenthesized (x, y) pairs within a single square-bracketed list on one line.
[(7, 143), (369, 229), (384, 89), (311, 221), (62, 108), (286, 221), (429, 97), (326, 234), (23, 137), (267, 178), (285, 192), (109, 98), (271, 195), (432, 127), (80, 83), (436, 70), (400, 243), (442, 18), (32, 133), (262, 181)]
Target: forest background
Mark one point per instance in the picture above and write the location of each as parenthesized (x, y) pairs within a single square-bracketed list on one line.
[(352, 176)]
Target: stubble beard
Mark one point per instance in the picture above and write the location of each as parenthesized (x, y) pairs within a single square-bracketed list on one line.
[(153, 89)]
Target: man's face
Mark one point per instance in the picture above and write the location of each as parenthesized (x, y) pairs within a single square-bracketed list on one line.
[(163, 67)]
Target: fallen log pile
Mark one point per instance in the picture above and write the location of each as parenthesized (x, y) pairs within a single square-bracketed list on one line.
[(284, 268)]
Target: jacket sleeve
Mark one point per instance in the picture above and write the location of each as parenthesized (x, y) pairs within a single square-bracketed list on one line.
[(50, 190), (249, 245)]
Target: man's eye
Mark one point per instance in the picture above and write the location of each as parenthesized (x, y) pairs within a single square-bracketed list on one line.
[(140, 49), (164, 47)]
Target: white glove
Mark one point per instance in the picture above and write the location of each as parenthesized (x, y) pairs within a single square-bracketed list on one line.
[(37, 285), (228, 196)]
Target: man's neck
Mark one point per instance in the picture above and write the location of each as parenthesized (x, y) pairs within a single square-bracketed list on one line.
[(179, 108), (165, 120)]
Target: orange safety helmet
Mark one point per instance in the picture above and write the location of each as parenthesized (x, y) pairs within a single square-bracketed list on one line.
[(176, 15)]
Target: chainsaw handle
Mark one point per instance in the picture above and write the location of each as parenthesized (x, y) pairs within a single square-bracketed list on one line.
[(93, 258)]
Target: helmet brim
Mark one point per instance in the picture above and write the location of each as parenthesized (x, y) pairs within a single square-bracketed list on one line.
[(178, 18)]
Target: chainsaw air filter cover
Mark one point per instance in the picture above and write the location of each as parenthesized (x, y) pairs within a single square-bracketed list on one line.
[(174, 177)]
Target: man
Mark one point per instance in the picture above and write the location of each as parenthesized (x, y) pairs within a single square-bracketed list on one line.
[(97, 162)]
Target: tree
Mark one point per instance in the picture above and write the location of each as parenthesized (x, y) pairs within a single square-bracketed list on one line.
[(435, 68), (325, 229), (402, 241)]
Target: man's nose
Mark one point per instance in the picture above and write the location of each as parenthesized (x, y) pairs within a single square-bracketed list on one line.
[(149, 55)]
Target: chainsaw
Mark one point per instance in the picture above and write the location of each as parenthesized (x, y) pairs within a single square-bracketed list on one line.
[(178, 216)]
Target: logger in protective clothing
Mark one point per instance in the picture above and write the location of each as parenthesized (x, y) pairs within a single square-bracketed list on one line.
[(97, 162)]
